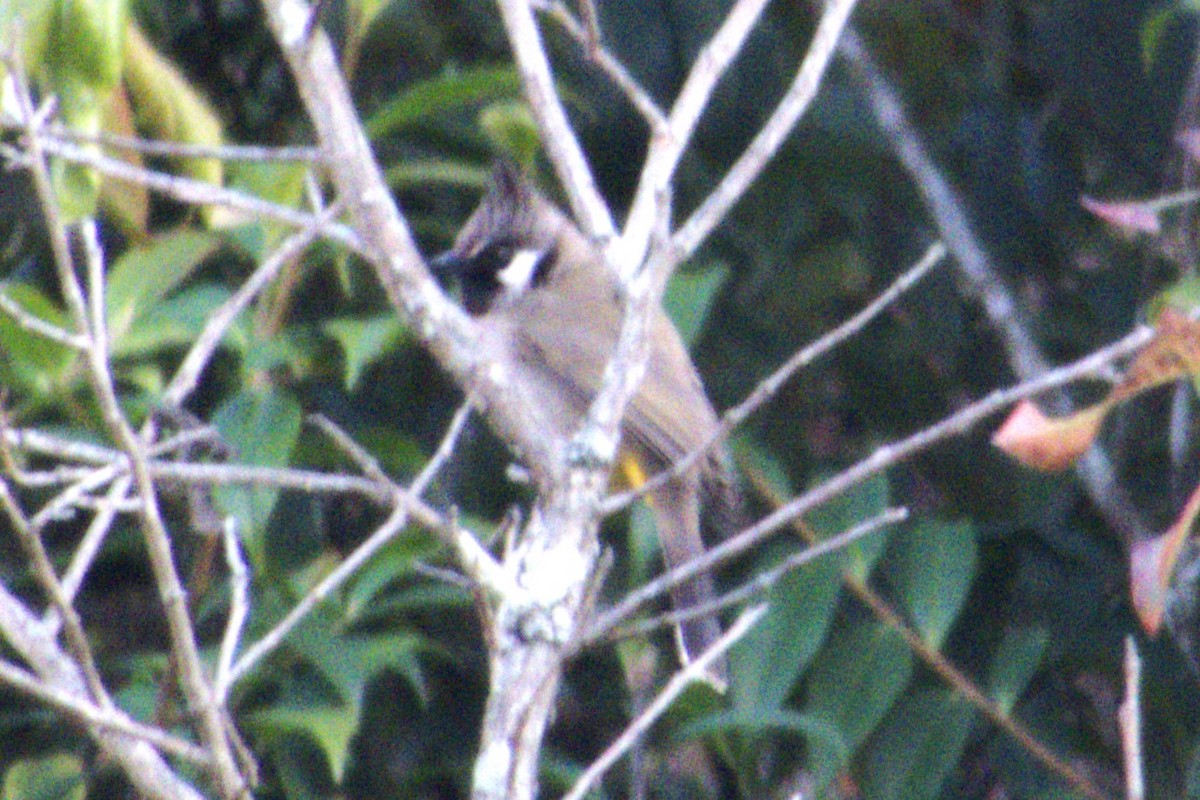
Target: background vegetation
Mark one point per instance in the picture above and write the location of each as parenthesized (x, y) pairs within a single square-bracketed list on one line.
[(931, 659)]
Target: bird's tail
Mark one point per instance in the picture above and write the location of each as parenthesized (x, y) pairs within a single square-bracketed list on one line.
[(677, 514)]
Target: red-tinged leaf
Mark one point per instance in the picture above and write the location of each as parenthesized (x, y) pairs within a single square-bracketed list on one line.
[(1130, 216), (1152, 562), (1044, 443), (1173, 353)]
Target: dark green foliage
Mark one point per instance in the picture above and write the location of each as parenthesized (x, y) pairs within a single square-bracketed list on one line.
[(1011, 577)]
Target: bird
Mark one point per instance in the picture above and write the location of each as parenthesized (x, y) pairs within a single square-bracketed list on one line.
[(550, 309)]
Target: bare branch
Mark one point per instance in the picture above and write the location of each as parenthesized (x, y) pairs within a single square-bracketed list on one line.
[(239, 604), (219, 321), (558, 137), (224, 152), (585, 35), (985, 283), (766, 143), (89, 545), (753, 587), (43, 571), (88, 321), (39, 326), (1129, 717), (667, 147), (680, 681), (1095, 365), (470, 552), (770, 386), (199, 193), (110, 719), (447, 332), (58, 678)]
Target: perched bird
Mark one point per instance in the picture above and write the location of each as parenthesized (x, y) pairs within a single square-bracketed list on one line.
[(551, 310)]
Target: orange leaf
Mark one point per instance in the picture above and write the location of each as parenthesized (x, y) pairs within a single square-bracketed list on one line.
[(1044, 443), (1173, 353), (1152, 562)]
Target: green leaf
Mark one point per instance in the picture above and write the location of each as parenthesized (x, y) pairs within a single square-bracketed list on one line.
[(853, 682), (780, 720), (433, 98), (1156, 24), (917, 747), (278, 182), (419, 598), (689, 298), (766, 663), (37, 21), (394, 561), (511, 130), (1017, 659), (81, 107), (363, 14), (412, 173), (262, 426), (87, 41), (862, 502), (56, 777), (173, 323), (170, 106), (28, 359), (140, 694), (331, 726), (349, 661), (642, 544), (146, 274), (932, 568), (363, 341)]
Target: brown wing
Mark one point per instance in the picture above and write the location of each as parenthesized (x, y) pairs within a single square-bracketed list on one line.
[(668, 417)]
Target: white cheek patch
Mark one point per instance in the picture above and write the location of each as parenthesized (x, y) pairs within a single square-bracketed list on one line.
[(519, 273)]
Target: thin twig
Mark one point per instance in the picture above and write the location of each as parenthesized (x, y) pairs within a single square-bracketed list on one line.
[(37, 441), (39, 326), (199, 193), (183, 640), (558, 137), (89, 546), (770, 386), (667, 148), (239, 601), (753, 587), (680, 681), (110, 464), (963, 684), (767, 141), (1095, 365), (1129, 717), (43, 572), (331, 582), (187, 376), (327, 585), (362, 458), (153, 147), (112, 718), (58, 679), (984, 282), (856, 583), (634, 92), (63, 504)]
